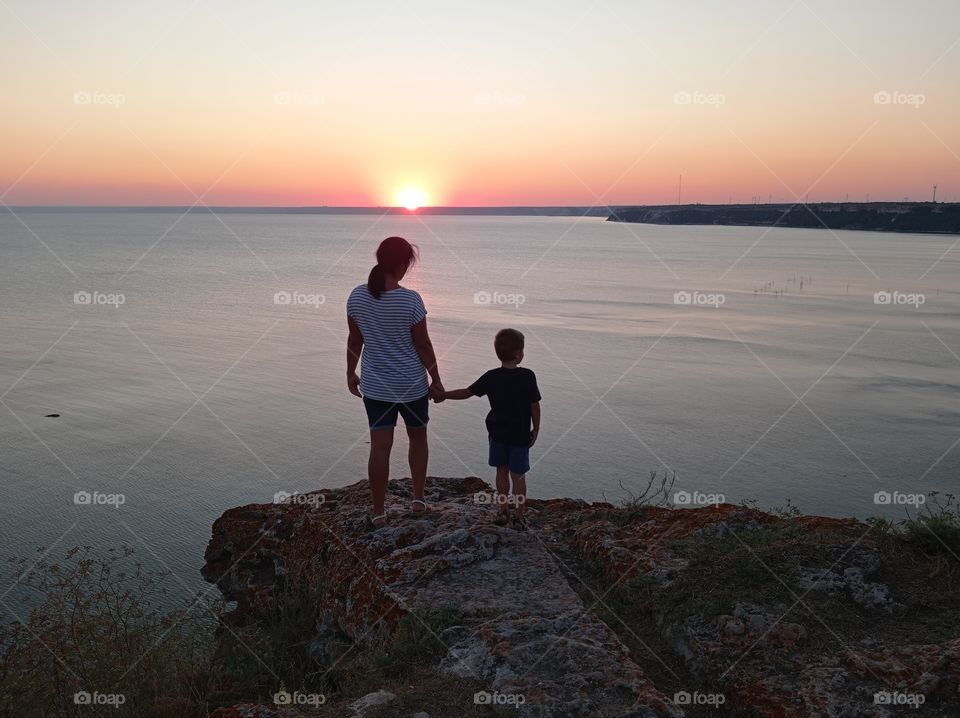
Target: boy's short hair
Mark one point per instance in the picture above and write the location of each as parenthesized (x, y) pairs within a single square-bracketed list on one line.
[(507, 343)]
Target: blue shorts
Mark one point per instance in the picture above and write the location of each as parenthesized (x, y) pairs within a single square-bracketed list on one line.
[(383, 414), (516, 457)]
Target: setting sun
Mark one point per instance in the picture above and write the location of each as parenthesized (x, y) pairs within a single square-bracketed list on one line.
[(411, 198)]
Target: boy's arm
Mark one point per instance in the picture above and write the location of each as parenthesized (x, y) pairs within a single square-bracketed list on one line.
[(535, 415), (458, 394)]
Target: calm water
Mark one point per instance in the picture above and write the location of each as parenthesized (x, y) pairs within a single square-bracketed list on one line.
[(200, 393)]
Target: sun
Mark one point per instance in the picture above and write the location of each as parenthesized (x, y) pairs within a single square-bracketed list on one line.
[(411, 197)]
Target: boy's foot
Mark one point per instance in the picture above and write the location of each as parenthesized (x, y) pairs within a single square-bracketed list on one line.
[(503, 518), (518, 523)]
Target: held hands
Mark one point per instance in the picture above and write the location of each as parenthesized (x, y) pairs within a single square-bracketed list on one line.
[(353, 384), (437, 393)]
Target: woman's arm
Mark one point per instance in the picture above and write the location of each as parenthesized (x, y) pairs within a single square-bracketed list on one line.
[(424, 347), (354, 347)]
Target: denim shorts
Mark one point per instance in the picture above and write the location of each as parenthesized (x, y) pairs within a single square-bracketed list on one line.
[(383, 414), (516, 457)]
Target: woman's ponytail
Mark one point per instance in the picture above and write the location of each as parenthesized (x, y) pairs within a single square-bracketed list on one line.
[(395, 256), (377, 281)]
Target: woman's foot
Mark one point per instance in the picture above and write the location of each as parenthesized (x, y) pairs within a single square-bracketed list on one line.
[(419, 506), (503, 517), (377, 522)]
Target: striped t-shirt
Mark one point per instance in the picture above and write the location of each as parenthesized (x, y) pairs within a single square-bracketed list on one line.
[(390, 369)]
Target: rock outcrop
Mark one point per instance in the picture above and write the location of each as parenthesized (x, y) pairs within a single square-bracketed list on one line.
[(756, 642)]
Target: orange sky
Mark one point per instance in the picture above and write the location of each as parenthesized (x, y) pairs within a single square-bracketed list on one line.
[(498, 104)]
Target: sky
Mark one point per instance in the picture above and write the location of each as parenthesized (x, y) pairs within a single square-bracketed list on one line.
[(495, 103)]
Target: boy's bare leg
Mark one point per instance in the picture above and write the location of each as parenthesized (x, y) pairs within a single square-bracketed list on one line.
[(519, 493), (418, 456), (503, 489), (378, 466)]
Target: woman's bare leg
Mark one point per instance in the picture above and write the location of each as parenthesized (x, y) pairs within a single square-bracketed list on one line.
[(418, 456), (378, 467)]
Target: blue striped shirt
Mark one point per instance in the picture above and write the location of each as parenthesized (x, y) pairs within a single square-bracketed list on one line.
[(390, 368)]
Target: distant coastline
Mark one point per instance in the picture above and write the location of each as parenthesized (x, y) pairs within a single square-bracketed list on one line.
[(918, 217), (509, 211)]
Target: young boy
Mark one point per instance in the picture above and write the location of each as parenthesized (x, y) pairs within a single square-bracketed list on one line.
[(514, 407)]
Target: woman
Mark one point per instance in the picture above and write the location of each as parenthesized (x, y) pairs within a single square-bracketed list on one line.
[(388, 333)]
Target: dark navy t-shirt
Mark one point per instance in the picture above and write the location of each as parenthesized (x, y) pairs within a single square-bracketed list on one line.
[(510, 392)]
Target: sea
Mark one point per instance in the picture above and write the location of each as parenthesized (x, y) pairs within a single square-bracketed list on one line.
[(195, 361)]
